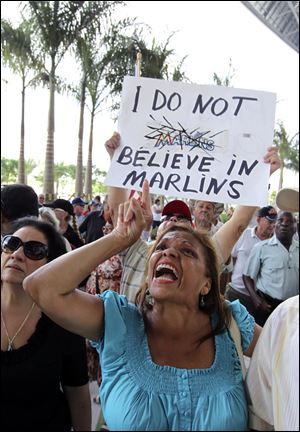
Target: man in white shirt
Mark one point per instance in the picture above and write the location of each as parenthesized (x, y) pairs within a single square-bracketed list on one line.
[(264, 229), (273, 375), (271, 274)]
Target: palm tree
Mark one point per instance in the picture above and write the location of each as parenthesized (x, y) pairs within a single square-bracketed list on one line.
[(288, 149), (82, 49), (96, 90), (19, 55), (58, 25), (155, 61), (226, 81), (111, 58)]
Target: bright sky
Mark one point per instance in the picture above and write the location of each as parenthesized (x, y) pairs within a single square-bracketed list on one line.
[(209, 33)]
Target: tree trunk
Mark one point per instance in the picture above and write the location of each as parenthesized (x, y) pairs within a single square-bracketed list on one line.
[(49, 160), (88, 174), (280, 177), (78, 181), (21, 164)]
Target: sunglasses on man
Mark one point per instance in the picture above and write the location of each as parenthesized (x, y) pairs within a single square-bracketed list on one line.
[(33, 250)]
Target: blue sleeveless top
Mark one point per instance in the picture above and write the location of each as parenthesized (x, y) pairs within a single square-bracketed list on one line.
[(137, 394)]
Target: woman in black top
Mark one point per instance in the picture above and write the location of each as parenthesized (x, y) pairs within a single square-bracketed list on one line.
[(44, 377)]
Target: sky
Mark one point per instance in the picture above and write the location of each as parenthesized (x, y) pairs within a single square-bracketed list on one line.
[(208, 33)]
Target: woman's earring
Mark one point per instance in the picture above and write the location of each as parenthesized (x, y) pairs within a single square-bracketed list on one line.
[(201, 302), (148, 297)]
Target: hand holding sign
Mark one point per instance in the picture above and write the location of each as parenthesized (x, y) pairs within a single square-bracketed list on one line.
[(273, 159), (112, 144)]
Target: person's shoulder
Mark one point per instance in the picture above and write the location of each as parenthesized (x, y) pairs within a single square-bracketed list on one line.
[(287, 307)]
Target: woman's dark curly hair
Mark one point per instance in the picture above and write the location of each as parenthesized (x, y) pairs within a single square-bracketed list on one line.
[(56, 243), (213, 301)]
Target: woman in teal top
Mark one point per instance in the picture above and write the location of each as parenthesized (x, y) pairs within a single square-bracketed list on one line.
[(138, 394), (168, 363)]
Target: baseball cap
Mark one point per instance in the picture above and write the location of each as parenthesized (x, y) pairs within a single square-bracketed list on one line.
[(268, 212), (61, 204), (78, 201), (287, 199), (177, 207)]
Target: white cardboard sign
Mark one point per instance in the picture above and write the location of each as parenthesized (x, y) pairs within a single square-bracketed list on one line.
[(194, 141)]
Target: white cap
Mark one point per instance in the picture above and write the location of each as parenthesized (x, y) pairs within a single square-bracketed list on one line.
[(287, 199)]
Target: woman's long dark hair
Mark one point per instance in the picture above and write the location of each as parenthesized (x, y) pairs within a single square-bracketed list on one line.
[(214, 300), (56, 243)]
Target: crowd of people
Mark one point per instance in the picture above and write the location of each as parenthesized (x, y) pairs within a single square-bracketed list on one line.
[(141, 296)]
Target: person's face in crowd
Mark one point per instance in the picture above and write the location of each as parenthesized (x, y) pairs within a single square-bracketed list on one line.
[(172, 219), (265, 227), (204, 211), (41, 199), (78, 209), (107, 229), (61, 214), (15, 265), (285, 226), (177, 270)]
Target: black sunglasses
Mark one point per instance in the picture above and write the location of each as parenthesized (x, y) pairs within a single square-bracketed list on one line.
[(179, 217), (33, 250)]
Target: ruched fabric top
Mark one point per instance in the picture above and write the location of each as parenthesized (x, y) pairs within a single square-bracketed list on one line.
[(137, 394)]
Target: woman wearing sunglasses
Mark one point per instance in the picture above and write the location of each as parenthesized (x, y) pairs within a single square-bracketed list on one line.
[(44, 373)]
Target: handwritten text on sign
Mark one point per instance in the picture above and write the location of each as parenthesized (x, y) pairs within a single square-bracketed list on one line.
[(190, 141)]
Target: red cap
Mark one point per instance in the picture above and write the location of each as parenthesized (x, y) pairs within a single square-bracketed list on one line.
[(177, 207)]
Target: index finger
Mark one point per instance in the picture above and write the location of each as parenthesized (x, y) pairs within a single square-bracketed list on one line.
[(145, 192)]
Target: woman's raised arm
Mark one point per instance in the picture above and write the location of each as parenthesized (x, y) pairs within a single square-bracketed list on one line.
[(53, 286)]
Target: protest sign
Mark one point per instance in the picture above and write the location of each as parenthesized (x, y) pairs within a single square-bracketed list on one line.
[(194, 141)]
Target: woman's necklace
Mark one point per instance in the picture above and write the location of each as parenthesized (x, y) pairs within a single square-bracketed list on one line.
[(10, 341)]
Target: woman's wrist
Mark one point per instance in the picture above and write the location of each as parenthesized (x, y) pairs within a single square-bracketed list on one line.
[(121, 241)]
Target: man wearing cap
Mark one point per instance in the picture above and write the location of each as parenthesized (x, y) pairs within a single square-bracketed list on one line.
[(271, 274), (264, 229), (134, 258), (64, 212), (78, 206)]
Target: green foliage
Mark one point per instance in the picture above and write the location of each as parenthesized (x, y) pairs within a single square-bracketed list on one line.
[(223, 217), (272, 198), (288, 150), (98, 187), (9, 169), (288, 147), (19, 53), (227, 80), (155, 61), (58, 24)]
